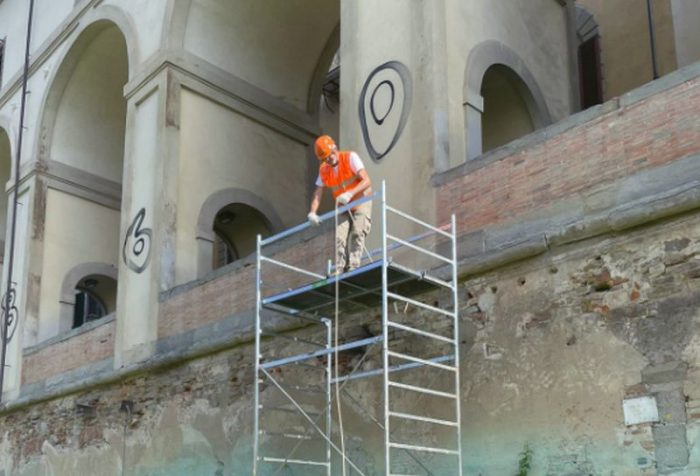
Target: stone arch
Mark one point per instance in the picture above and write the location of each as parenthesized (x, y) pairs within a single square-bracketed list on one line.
[(6, 171), (321, 71), (211, 207), (482, 57), (586, 24), (70, 283), (93, 23), (6, 126)]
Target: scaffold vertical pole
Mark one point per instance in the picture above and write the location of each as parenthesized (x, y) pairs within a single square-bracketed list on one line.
[(385, 333), (256, 426), (329, 399), (455, 305)]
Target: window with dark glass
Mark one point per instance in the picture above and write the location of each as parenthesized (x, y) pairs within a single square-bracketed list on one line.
[(88, 307)]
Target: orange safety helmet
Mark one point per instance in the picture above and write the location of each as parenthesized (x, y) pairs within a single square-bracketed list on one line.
[(324, 146)]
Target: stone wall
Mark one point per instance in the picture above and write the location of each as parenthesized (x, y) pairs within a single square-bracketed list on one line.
[(551, 347)]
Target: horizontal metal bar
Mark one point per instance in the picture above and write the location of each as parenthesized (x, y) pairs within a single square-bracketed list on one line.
[(287, 410), (324, 280), (291, 436), (318, 353), (413, 330), (418, 248), (419, 304), (291, 268), (305, 389), (324, 217), (297, 314), (268, 459), (282, 335), (394, 368), (408, 416), (420, 222), (427, 449), (417, 360), (434, 280), (427, 391)]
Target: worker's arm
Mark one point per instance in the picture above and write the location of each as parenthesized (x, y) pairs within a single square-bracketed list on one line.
[(316, 199), (364, 184)]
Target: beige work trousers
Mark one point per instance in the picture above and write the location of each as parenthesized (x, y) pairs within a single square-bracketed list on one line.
[(350, 237)]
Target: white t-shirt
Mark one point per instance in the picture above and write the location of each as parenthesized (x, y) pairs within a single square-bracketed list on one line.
[(355, 165)]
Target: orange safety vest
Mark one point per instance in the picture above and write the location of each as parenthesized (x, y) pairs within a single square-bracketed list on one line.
[(344, 180)]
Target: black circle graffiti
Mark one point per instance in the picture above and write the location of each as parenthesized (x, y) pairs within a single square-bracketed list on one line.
[(9, 315), (143, 242), (405, 76)]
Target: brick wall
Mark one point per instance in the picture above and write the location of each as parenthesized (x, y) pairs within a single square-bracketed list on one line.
[(77, 351), (625, 138), (233, 292)]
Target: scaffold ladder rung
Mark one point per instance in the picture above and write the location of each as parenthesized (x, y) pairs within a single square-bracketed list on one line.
[(291, 436), (417, 360), (433, 279), (298, 340), (422, 305), (392, 369), (320, 353), (288, 410), (437, 421), (427, 449), (427, 391), (418, 248), (413, 330), (269, 459)]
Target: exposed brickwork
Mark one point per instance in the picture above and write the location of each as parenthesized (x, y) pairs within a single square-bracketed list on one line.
[(646, 134), (550, 347), (234, 293), (83, 349)]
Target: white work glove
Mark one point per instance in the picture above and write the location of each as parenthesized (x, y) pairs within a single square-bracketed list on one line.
[(314, 220), (344, 198)]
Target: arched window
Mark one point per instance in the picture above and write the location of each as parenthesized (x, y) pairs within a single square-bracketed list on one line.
[(502, 99), (95, 297), (228, 224), (235, 228), (506, 115), (224, 251)]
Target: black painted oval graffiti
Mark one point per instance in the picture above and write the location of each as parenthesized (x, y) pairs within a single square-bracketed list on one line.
[(137, 256), (382, 130), (9, 315), (373, 101)]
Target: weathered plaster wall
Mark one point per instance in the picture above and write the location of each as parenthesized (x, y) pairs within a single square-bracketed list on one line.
[(687, 37), (288, 43), (625, 45), (222, 149), (551, 347), (561, 340), (66, 245)]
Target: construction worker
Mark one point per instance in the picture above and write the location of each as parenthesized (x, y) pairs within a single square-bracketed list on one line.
[(344, 174)]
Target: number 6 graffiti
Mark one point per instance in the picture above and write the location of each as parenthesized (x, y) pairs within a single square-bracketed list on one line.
[(137, 257), (9, 315)]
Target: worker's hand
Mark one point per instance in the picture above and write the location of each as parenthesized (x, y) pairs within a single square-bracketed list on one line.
[(344, 198), (314, 220)]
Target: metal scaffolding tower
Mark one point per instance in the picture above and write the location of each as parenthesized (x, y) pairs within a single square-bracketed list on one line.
[(294, 399)]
